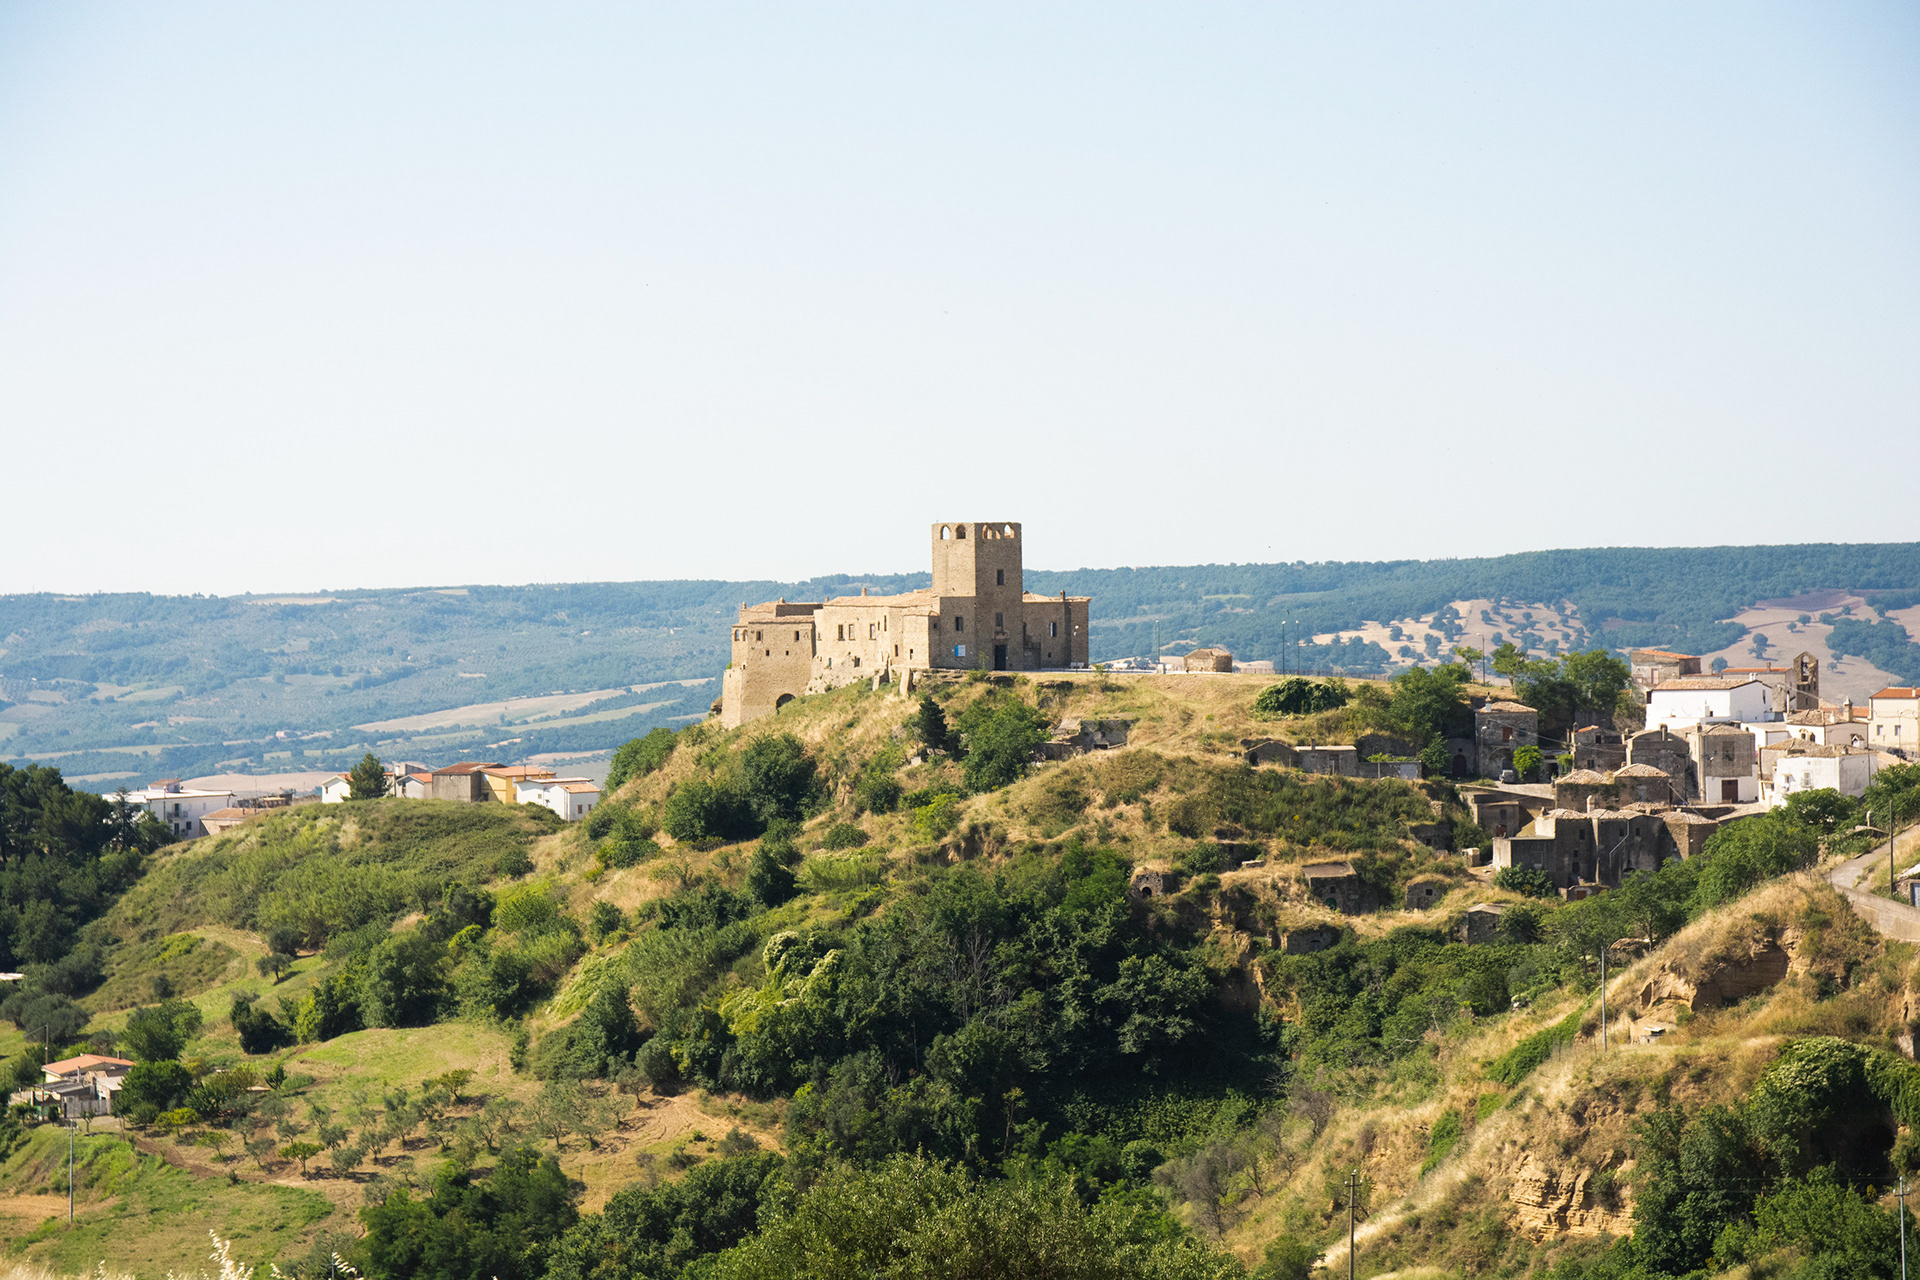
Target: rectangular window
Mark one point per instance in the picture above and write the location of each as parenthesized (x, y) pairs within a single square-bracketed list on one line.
[(999, 622), (1053, 629), (959, 624), (873, 632), (999, 577)]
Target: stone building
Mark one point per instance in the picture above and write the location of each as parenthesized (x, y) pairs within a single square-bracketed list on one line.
[(465, 781), (1422, 894), (1581, 788), (1499, 729), (1336, 885), (1725, 762), (1688, 831), (1482, 922), (1650, 667), (977, 615), (1595, 846), (1204, 660), (1599, 748), (1500, 813), (1668, 752), (1644, 784)]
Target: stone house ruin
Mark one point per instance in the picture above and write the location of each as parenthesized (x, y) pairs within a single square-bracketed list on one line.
[(1668, 752), (1593, 846), (1599, 748), (1482, 922), (1202, 660), (1422, 894), (1644, 784), (1077, 737), (1308, 939), (1337, 886), (1579, 789), (977, 615), (1650, 667), (1499, 729), (1147, 883), (1500, 814)]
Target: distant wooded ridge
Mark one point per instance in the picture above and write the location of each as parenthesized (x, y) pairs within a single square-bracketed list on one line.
[(206, 671)]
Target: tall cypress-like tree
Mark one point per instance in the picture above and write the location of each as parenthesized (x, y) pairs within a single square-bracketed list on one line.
[(367, 781)]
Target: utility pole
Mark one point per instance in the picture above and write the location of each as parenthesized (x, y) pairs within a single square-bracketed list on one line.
[(1903, 1227), (1603, 998), (1353, 1215), (69, 1170)]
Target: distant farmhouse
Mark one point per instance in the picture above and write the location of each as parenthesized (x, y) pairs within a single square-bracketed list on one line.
[(977, 615)]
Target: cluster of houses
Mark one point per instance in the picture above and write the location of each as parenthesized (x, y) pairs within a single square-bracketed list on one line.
[(192, 812), (481, 782), (1715, 747), (75, 1087)]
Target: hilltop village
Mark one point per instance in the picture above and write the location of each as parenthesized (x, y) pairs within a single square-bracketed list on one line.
[(933, 916)]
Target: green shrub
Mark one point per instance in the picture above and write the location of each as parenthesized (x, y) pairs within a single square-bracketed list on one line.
[(876, 792), (639, 757), (1298, 696), (1202, 859), (844, 835), (1517, 1063), (1532, 881), (1000, 736), (1441, 1140)]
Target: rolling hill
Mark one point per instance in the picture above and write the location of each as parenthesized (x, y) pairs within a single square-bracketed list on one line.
[(128, 687)]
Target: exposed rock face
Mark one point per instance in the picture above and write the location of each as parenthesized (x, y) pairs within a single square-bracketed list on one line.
[(1304, 941), (1547, 1202), (1722, 980)]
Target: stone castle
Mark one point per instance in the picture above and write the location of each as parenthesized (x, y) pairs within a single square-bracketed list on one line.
[(977, 615)]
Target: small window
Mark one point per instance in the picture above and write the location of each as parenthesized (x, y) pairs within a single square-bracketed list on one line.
[(856, 662), (999, 622), (1053, 629), (999, 577), (959, 624), (959, 531), (1506, 735)]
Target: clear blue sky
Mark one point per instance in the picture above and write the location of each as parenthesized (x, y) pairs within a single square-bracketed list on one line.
[(337, 295)]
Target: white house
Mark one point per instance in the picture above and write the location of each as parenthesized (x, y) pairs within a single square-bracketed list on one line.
[(1797, 766), (1893, 721), (571, 798), (181, 808), (407, 782), (1679, 704)]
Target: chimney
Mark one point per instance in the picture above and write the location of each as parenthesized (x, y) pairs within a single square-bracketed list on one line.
[(863, 591)]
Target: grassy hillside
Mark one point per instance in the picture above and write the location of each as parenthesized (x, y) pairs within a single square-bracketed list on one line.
[(813, 995), (134, 686)]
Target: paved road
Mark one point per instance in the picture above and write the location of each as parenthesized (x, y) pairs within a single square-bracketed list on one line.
[(1852, 878)]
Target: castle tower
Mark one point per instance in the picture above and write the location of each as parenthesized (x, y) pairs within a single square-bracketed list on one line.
[(981, 560)]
